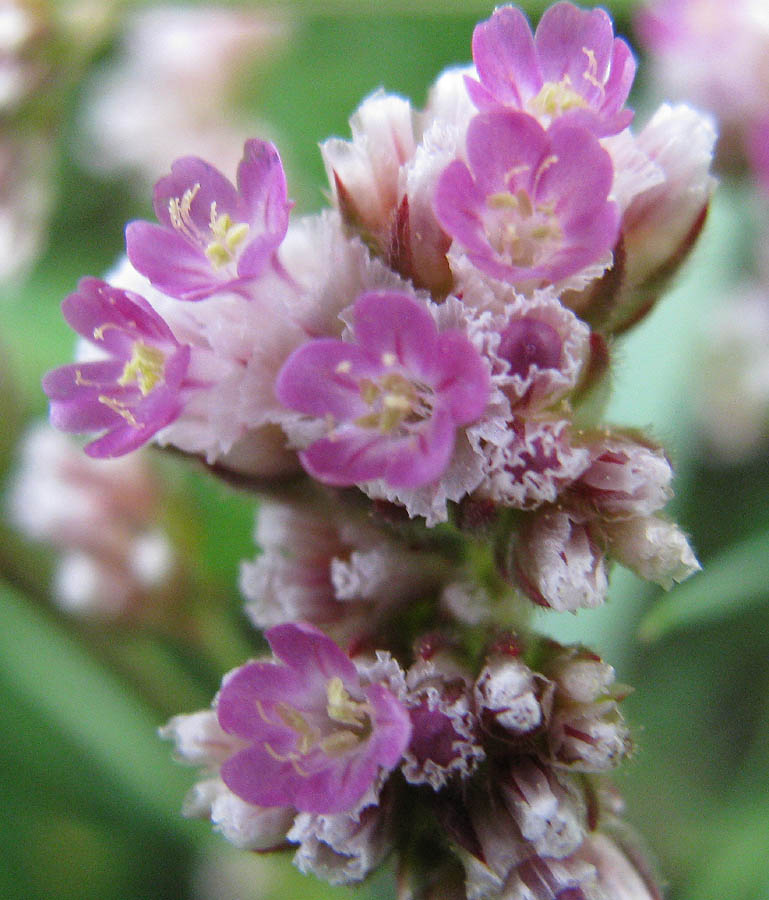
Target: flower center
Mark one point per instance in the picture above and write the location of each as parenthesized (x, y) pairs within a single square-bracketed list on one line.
[(145, 367), (354, 714), (521, 232), (341, 709), (394, 400), (530, 342), (227, 235), (556, 98)]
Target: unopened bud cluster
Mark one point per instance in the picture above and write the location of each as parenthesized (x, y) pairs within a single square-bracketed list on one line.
[(421, 368), (116, 561)]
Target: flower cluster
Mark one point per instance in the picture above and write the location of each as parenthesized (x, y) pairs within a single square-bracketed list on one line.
[(305, 747), (170, 87), (733, 402), (116, 560), (421, 370), (714, 53)]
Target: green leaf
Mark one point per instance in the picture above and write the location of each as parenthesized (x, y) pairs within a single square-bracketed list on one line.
[(91, 708), (736, 862), (735, 580)]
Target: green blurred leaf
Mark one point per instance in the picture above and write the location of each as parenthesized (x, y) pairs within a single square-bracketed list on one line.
[(53, 674), (737, 860), (657, 366), (733, 581), (66, 815)]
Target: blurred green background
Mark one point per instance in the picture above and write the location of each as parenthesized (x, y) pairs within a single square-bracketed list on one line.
[(90, 797)]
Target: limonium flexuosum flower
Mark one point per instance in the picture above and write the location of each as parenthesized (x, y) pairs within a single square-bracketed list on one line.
[(213, 235), (436, 351), (393, 400), (317, 737), (136, 389), (572, 66), (532, 205)]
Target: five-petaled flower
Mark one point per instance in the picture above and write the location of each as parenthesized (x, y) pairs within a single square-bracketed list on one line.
[(317, 736), (213, 236), (393, 400), (532, 206), (572, 66), (136, 389)]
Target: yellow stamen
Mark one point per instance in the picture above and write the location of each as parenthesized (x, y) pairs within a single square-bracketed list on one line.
[(290, 758), (308, 736), (229, 236), (98, 332), (121, 409), (502, 200), (592, 70), (262, 714), (393, 399), (340, 742), (84, 382), (180, 212), (557, 97), (342, 708), (145, 367)]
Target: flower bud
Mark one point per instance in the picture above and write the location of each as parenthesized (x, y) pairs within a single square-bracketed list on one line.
[(661, 224), (510, 698), (654, 548), (549, 811), (200, 741), (587, 732), (103, 514), (660, 220), (343, 848), (618, 876), (499, 861), (250, 827), (558, 564), (444, 740), (318, 568), (364, 171), (625, 478)]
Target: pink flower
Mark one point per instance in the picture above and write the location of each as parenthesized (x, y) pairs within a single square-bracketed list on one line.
[(572, 66), (393, 400), (318, 738), (532, 205), (136, 389), (212, 235)]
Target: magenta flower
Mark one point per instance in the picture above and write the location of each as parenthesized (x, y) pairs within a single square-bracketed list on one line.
[(572, 66), (212, 235), (393, 400), (532, 204), (136, 389), (318, 738)]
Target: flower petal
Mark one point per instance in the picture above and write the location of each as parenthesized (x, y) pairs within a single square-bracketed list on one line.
[(504, 55)]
